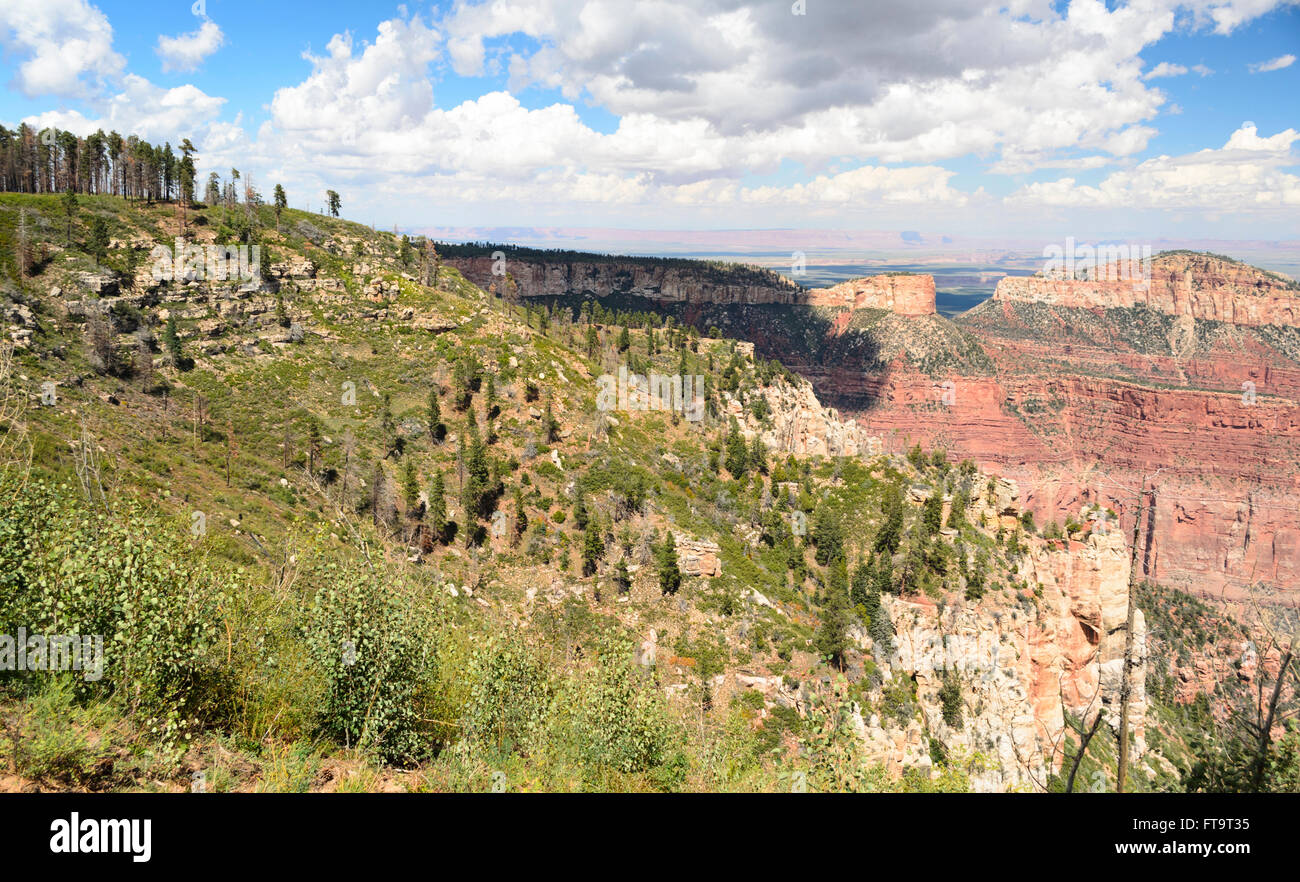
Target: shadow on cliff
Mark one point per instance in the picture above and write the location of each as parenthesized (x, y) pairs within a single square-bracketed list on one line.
[(843, 367)]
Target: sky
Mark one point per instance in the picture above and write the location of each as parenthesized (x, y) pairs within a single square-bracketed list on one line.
[(1153, 118)]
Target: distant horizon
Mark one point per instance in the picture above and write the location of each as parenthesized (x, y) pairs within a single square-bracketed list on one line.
[(871, 249)]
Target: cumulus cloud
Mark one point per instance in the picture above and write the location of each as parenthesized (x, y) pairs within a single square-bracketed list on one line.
[(185, 52), (1169, 69), (66, 47), (141, 108), (1164, 69), (1246, 173), (927, 81), (713, 98), (1276, 64)]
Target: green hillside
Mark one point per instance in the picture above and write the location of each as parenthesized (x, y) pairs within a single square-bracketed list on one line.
[(354, 523)]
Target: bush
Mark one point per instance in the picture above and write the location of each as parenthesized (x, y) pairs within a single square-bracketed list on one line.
[(58, 742), (950, 699), (374, 654), (129, 578), (622, 725), (509, 696)]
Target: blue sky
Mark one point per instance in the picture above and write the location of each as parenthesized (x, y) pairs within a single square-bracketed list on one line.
[(1002, 118)]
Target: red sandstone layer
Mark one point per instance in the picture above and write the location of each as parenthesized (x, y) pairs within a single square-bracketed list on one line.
[(1197, 285), (1226, 513), (901, 293)]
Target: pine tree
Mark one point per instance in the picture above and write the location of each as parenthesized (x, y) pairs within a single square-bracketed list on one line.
[(758, 455), (314, 441), (580, 510), (862, 583), (281, 203), (437, 431), (624, 340), (827, 536), (957, 513), (550, 428), (474, 497), (172, 343), (622, 578), (879, 624), (891, 531), (410, 486), (737, 451), (97, 244), (831, 638), (670, 576), (884, 574), (437, 513), (932, 513), (593, 547)]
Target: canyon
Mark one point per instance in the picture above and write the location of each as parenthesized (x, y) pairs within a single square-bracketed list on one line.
[(680, 281), (1078, 389)]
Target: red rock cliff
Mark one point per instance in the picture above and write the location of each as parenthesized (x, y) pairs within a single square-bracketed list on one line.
[(901, 293), (1199, 285)]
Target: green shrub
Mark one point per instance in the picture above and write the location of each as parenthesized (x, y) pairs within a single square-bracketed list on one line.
[(509, 695), (374, 653), (622, 724), (129, 578)]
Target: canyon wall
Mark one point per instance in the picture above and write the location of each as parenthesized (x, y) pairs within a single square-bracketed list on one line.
[(900, 293), (1024, 666), (1198, 285), (1025, 659), (1226, 512), (692, 282), (1079, 404), (668, 281)]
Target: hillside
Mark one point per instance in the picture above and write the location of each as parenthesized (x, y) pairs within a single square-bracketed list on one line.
[(357, 523)]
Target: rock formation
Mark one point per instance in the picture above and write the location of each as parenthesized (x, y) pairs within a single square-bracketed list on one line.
[(1181, 283), (901, 293), (667, 281), (1025, 666)]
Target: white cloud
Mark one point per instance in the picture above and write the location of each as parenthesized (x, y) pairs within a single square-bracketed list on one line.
[(1246, 174), (927, 81), (1164, 69), (1228, 16), (1276, 64), (709, 96), (185, 52), (143, 109), (66, 46)]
